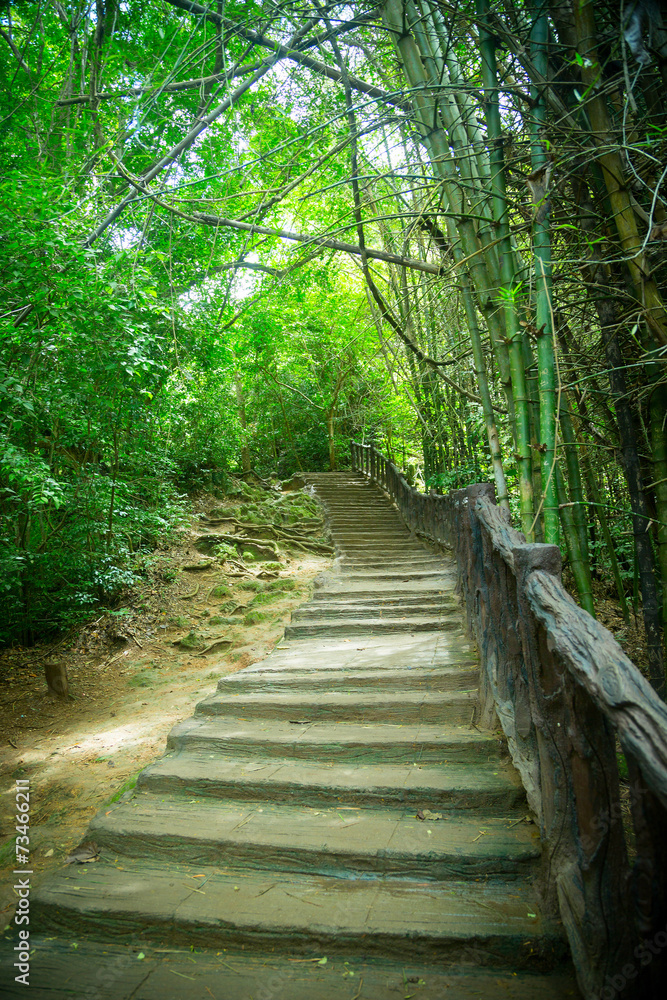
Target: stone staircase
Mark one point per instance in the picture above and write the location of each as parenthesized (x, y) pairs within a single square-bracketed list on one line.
[(334, 801)]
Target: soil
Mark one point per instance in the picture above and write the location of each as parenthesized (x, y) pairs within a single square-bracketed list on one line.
[(631, 635), (129, 683)]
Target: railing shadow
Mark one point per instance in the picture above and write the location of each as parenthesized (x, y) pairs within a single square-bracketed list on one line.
[(574, 710)]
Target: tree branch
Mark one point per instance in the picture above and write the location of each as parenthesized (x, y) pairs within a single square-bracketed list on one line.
[(179, 148), (295, 55), (19, 58), (167, 88), (285, 234), (252, 265)]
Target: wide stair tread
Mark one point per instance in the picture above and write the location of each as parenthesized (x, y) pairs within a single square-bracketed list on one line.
[(396, 575), (340, 841), (469, 777), (356, 609), (372, 626), (170, 903), (342, 706), (308, 739), (387, 679), (236, 974)]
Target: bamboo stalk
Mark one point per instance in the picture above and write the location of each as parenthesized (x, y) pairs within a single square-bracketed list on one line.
[(460, 117), (543, 282), (613, 174), (658, 418), (576, 496), (578, 560), (509, 290)]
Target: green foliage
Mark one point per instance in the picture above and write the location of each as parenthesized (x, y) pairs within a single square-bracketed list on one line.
[(159, 354), (79, 499), (127, 786), (457, 478), (256, 585), (58, 560), (281, 585), (255, 617), (620, 528)]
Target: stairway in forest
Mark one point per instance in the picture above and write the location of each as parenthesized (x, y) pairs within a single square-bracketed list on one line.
[(332, 802)]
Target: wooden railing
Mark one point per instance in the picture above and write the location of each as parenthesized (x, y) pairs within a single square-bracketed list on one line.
[(586, 732)]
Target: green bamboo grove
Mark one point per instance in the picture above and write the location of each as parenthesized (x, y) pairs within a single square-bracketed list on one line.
[(235, 235)]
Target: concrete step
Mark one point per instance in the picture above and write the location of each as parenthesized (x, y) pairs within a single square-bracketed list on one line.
[(396, 568), (330, 587), (167, 903), (367, 531), (367, 514), (441, 597), (421, 606), (390, 567), (472, 778), (381, 548), (370, 532), (339, 743), (339, 841), (370, 505), (403, 707), (395, 650), (401, 555), (400, 651), (114, 973), (363, 585), (373, 626), (372, 502), (349, 679), (368, 523), (383, 557), (379, 543), (387, 553), (398, 577)]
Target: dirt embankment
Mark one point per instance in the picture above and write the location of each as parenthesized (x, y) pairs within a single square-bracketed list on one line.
[(207, 608)]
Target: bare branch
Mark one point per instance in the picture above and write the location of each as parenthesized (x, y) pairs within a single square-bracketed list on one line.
[(21, 61), (176, 150), (250, 264), (294, 54), (168, 88), (285, 234)]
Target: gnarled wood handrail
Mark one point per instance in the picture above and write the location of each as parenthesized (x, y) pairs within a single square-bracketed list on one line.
[(568, 699)]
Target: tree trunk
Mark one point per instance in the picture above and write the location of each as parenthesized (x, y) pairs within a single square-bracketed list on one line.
[(240, 403), (605, 304), (332, 442)]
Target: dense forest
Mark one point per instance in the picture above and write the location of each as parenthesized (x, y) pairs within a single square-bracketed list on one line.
[(235, 236)]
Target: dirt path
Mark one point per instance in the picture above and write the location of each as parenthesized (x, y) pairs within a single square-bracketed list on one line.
[(129, 686)]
